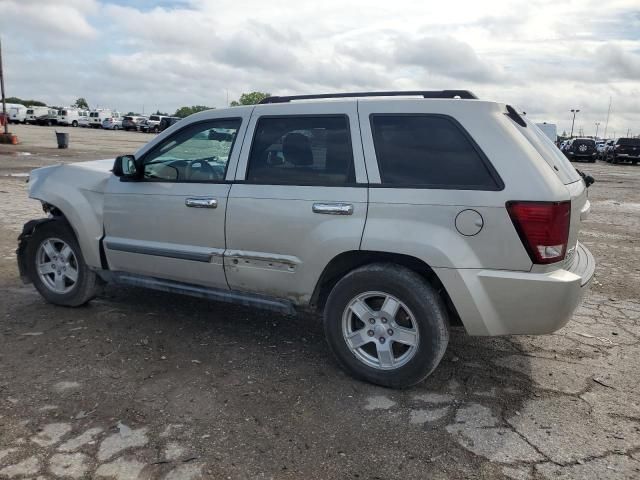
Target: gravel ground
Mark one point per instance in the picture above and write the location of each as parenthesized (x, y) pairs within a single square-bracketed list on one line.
[(143, 385)]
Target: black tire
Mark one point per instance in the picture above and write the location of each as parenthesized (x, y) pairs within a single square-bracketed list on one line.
[(86, 285), (614, 160), (427, 306), (74, 123)]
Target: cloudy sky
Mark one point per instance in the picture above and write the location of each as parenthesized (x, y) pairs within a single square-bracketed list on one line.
[(543, 56)]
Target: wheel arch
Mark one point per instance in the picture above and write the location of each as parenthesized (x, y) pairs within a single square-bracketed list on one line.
[(345, 262)]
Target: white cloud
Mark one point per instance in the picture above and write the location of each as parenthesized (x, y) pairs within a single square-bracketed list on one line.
[(48, 22), (544, 56)]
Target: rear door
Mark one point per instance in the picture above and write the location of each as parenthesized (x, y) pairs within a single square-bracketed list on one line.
[(171, 224), (299, 200)]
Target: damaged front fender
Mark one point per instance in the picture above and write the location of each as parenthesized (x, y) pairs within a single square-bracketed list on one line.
[(23, 240)]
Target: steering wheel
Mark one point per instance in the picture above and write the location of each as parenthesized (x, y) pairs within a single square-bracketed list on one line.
[(203, 168)]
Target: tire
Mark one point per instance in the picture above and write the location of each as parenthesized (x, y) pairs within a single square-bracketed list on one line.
[(156, 130), (420, 318), (72, 293), (614, 160), (74, 123)]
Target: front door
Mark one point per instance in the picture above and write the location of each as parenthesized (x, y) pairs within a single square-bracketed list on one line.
[(171, 223), (299, 200)]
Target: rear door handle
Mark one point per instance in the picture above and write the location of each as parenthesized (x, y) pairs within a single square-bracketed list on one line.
[(333, 208), (201, 202)]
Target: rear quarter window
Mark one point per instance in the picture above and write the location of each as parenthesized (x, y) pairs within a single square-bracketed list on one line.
[(429, 151)]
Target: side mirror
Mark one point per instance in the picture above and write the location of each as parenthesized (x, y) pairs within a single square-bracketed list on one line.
[(125, 166)]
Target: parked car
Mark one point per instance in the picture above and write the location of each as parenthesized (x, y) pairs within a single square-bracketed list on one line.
[(623, 150), (96, 117), (49, 119), (132, 122), (70, 116), (601, 148), (112, 123), (152, 125), (393, 217), (581, 149), (166, 122), (33, 113)]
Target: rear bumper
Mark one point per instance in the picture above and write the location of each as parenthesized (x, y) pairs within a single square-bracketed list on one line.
[(499, 302)]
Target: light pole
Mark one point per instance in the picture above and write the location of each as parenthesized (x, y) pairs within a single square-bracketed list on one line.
[(574, 111), (597, 125)]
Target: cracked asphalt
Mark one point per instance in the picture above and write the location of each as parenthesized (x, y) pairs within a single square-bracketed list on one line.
[(143, 385)]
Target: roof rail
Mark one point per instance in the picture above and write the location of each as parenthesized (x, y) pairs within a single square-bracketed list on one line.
[(466, 94)]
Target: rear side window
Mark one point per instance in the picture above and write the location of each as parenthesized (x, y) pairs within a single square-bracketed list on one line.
[(429, 151), (629, 141), (302, 150)]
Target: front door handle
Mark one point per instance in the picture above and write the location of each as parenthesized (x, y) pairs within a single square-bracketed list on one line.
[(201, 202), (333, 208)]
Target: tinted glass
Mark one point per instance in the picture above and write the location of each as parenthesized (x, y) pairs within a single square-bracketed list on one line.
[(197, 153), (302, 151), (427, 151), (629, 141)]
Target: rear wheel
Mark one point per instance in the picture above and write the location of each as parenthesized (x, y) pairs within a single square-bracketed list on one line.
[(74, 123), (385, 324), (56, 266)]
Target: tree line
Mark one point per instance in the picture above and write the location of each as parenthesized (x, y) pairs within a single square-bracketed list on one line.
[(250, 98)]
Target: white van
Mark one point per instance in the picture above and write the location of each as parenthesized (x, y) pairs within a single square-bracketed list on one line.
[(69, 116), (96, 117), (83, 118), (17, 113), (33, 113)]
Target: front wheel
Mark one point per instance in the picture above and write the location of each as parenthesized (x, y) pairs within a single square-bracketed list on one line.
[(56, 266), (74, 123), (386, 325)]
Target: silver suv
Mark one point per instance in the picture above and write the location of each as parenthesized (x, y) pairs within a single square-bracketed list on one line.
[(394, 217)]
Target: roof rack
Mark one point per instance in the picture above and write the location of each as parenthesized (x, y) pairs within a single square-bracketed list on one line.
[(465, 94)]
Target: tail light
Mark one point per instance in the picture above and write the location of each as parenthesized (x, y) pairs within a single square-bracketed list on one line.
[(543, 228)]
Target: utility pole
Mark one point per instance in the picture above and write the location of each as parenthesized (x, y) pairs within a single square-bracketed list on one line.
[(4, 103), (628, 132), (606, 125), (597, 125), (574, 111)]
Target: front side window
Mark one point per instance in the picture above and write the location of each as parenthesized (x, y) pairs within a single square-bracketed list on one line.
[(428, 151), (197, 153), (302, 150)]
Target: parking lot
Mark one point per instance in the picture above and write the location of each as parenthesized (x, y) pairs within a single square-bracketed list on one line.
[(147, 385)]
